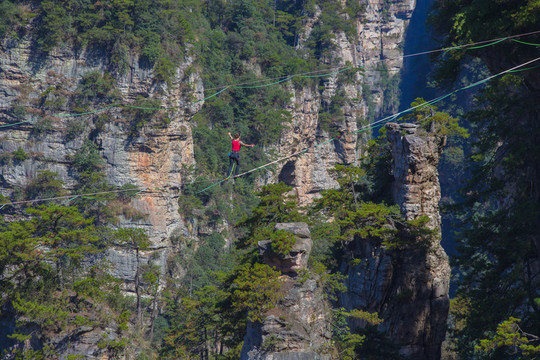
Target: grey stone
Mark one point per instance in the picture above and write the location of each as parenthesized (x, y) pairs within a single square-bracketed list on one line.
[(297, 257)]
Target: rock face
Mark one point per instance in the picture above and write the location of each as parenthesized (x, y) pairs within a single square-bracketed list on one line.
[(377, 48), (416, 187), (298, 327), (153, 160), (297, 258), (408, 287)]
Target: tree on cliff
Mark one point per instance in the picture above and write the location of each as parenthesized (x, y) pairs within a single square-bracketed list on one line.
[(44, 283), (213, 318)]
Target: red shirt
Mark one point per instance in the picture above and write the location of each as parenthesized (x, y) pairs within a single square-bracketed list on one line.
[(236, 145)]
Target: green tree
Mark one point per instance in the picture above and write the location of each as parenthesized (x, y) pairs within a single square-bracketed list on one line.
[(356, 218), (45, 185), (19, 155), (512, 339), (151, 277), (66, 233), (87, 158), (433, 121), (256, 290), (194, 324)]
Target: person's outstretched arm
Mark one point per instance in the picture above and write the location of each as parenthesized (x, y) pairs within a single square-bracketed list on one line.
[(231, 136), (241, 143)]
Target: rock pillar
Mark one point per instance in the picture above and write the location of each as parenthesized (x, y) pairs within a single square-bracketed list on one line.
[(407, 287), (297, 328)]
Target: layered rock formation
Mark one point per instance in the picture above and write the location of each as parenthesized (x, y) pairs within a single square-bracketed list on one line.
[(298, 327), (408, 287), (152, 161)]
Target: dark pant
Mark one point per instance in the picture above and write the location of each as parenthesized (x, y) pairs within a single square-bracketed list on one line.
[(234, 158)]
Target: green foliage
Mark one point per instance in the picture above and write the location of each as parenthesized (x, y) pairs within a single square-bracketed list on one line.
[(192, 323), (155, 28), (349, 344), (333, 283), (433, 121), (19, 155), (370, 318), (55, 21), (210, 256), (367, 221), (45, 353), (45, 185), (67, 235), (510, 337), (334, 17), (187, 204), (87, 158), (10, 17), (274, 207), (356, 218), (497, 241), (256, 290), (466, 21), (43, 279), (333, 112), (95, 87), (53, 98), (164, 70), (134, 238), (48, 316), (282, 241), (415, 233)]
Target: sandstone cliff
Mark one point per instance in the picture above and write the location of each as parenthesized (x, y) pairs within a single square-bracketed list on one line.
[(153, 160), (407, 287)]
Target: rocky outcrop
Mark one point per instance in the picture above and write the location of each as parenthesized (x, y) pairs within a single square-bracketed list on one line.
[(298, 256), (297, 327), (416, 186), (407, 287), (154, 159)]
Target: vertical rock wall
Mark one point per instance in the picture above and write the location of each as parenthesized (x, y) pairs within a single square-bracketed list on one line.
[(376, 47), (153, 160), (408, 287)]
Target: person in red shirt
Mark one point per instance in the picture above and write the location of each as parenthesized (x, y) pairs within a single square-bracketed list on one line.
[(234, 155)]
